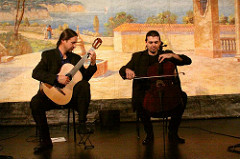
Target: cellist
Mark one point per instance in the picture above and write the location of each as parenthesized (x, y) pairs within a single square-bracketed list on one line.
[(138, 67)]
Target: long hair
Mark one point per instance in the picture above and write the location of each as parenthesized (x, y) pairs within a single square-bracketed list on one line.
[(66, 35), (152, 33)]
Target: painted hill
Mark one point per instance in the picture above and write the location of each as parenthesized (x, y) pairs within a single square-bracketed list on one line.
[(61, 7), (32, 9)]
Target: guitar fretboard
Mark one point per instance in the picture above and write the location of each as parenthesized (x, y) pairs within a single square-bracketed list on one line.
[(80, 63)]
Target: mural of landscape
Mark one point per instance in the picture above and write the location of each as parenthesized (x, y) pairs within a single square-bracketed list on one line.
[(24, 34)]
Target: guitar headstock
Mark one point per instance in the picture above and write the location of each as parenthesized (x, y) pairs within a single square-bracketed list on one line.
[(97, 42)]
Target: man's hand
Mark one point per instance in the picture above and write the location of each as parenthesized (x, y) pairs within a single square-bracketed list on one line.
[(130, 74), (93, 57), (62, 79), (162, 57)]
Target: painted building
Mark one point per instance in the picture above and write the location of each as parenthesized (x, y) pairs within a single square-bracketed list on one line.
[(130, 37)]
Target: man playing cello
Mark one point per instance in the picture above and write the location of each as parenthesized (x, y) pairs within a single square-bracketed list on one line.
[(138, 67)]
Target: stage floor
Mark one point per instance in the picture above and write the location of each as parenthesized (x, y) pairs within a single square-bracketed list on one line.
[(205, 139)]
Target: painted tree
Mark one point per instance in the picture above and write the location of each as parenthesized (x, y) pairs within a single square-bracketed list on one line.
[(189, 18), (223, 19), (120, 18), (96, 24), (19, 15), (163, 18), (26, 22), (231, 20)]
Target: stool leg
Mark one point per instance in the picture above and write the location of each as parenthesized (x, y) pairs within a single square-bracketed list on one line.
[(74, 126), (137, 125), (164, 131), (68, 121), (37, 131), (166, 125), (84, 138)]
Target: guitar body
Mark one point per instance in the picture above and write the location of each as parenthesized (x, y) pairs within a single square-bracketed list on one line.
[(62, 96)]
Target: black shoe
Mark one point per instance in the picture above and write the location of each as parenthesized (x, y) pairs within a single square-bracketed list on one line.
[(43, 147), (148, 140), (175, 139)]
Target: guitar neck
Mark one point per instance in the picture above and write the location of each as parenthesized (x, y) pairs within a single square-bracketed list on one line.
[(80, 63)]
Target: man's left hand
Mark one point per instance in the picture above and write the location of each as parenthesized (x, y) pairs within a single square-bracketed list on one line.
[(162, 57), (93, 57)]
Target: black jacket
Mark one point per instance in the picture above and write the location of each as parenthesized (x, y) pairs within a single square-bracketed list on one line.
[(50, 64), (139, 63)]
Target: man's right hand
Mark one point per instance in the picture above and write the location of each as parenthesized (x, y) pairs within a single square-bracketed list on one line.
[(130, 74), (62, 79)]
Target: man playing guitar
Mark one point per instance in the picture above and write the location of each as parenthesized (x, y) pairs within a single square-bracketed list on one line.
[(47, 72)]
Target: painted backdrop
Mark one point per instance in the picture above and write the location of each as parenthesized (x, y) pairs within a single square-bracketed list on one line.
[(105, 19)]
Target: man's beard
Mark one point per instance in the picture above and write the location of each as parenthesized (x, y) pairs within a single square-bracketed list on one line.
[(70, 50), (153, 51)]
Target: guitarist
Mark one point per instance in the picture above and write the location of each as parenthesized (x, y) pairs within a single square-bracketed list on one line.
[(47, 71)]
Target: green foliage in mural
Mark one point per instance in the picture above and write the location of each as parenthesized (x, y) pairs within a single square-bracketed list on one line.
[(120, 18), (34, 24), (6, 24), (231, 20), (189, 18), (223, 19), (163, 18), (26, 22), (40, 45), (15, 47)]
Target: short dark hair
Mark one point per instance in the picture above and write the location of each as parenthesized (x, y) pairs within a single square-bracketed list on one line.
[(66, 35), (153, 33)]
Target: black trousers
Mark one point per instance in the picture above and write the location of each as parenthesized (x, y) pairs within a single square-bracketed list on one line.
[(175, 114), (40, 103)]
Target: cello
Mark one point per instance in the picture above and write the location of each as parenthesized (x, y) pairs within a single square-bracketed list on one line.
[(164, 93)]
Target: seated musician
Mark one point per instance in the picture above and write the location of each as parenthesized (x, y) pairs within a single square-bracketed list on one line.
[(47, 71), (138, 67)]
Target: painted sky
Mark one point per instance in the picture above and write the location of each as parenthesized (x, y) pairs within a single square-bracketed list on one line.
[(143, 8)]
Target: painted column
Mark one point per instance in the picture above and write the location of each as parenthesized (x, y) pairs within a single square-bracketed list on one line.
[(237, 28), (206, 24)]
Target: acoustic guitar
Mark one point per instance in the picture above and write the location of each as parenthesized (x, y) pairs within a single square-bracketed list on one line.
[(62, 95)]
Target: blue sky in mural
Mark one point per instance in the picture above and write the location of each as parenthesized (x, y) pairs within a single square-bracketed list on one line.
[(140, 9)]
